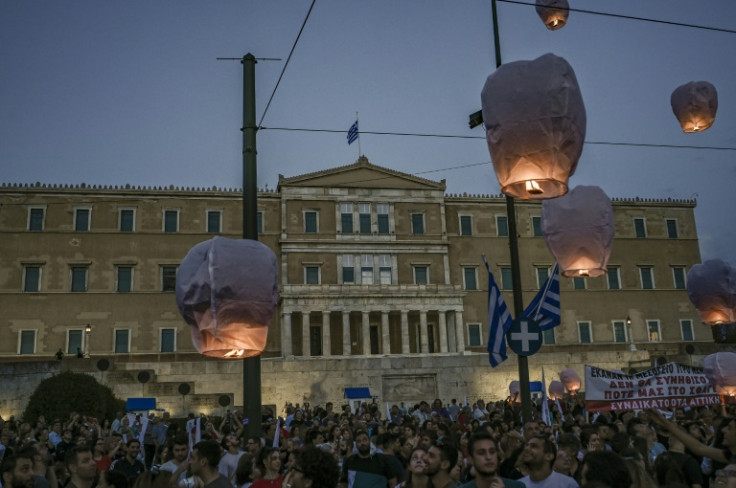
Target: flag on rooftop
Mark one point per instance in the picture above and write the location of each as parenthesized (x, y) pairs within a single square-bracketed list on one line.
[(353, 133)]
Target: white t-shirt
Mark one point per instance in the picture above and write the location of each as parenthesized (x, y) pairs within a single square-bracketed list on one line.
[(554, 480)]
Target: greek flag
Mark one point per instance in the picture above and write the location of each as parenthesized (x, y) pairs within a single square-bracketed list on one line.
[(545, 308), (353, 133), (546, 415), (499, 321)]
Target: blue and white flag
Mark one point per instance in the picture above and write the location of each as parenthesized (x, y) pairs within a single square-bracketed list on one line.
[(353, 133), (499, 321), (545, 308), (546, 416)]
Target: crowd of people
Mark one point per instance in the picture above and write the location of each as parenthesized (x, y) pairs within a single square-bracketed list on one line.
[(427, 445)]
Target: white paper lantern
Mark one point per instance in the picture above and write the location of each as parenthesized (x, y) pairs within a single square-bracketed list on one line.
[(534, 117), (227, 290), (570, 379), (711, 287), (556, 390), (695, 105), (579, 228), (720, 368), (553, 13), (515, 391)]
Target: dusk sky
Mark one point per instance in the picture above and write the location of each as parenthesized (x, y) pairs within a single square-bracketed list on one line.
[(110, 92)]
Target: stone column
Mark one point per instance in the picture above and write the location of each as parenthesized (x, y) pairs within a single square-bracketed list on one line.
[(405, 346), (286, 334), (306, 322), (345, 333), (365, 330), (424, 332), (443, 330), (459, 331), (385, 335), (326, 345)]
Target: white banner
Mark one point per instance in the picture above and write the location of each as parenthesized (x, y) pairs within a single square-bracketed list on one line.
[(671, 385)]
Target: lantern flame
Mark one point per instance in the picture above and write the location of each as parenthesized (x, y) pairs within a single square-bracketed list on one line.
[(234, 353), (583, 272), (533, 188)]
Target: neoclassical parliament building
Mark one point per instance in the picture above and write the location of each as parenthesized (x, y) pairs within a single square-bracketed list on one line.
[(382, 285)]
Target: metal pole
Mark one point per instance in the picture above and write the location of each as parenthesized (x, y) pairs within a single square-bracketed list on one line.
[(251, 365), (524, 389)]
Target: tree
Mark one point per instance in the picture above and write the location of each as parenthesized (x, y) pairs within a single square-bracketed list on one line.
[(58, 396)]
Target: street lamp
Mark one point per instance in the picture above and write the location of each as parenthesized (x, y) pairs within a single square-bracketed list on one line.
[(632, 346), (87, 334)]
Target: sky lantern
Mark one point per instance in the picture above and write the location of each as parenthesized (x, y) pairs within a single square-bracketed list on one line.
[(579, 228), (227, 290), (515, 391), (534, 117), (553, 13), (570, 380), (711, 287), (720, 368), (556, 390), (695, 105)]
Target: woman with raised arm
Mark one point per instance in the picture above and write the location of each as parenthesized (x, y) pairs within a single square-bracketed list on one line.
[(722, 450)]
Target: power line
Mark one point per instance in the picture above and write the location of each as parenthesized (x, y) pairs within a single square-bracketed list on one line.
[(293, 47), (630, 17)]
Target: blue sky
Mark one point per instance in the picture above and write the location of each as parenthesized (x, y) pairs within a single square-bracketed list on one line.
[(104, 92)]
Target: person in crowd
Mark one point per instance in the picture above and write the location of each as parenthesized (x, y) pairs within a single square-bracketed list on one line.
[(178, 465), (102, 455), (726, 477), (203, 463), (112, 479), (537, 459), (438, 462), (486, 460), (415, 475), (81, 466), (130, 465), (605, 467), (366, 469), (229, 461), (313, 468), (269, 464), (634, 461), (44, 475), (244, 472), (17, 471)]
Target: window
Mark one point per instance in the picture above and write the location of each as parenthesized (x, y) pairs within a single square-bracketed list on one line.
[(384, 269), (364, 217), (654, 331), (578, 283), (31, 278), (382, 211), (366, 269), (548, 336), (74, 341), (647, 277), (542, 275), (506, 279), (311, 223), (348, 269), (27, 340), (417, 224), (346, 218), (127, 220), (537, 226), (122, 341), (614, 278), (81, 219), (686, 327), (168, 340), (640, 228), (678, 276), (421, 275), (168, 278), (79, 278), (619, 331), (502, 226), (259, 223), (124, 282), (466, 225), (311, 275), (474, 337), (171, 221), (585, 333), (470, 278), (672, 228), (214, 221), (36, 218)]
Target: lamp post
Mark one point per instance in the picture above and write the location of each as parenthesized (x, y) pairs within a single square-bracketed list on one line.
[(87, 335), (632, 346)]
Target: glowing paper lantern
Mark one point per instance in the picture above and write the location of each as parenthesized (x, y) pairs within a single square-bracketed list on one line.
[(515, 391), (226, 290), (556, 390), (695, 105), (570, 379), (720, 368), (711, 287), (578, 228), (553, 13), (535, 126)]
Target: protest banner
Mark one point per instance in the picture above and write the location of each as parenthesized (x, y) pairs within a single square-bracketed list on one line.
[(670, 385)]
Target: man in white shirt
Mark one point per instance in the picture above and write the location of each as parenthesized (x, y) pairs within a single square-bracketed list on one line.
[(229, 462), (538, 456)]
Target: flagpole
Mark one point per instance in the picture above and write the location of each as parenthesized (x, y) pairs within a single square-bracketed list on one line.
[(356, 119)]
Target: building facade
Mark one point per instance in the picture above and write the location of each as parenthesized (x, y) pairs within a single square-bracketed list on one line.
[(377, 268)]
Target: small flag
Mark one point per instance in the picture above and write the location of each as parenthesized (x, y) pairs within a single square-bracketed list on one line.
[(353, 133), (499, 321), (545, 403), (545, 308), (277, 435)]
